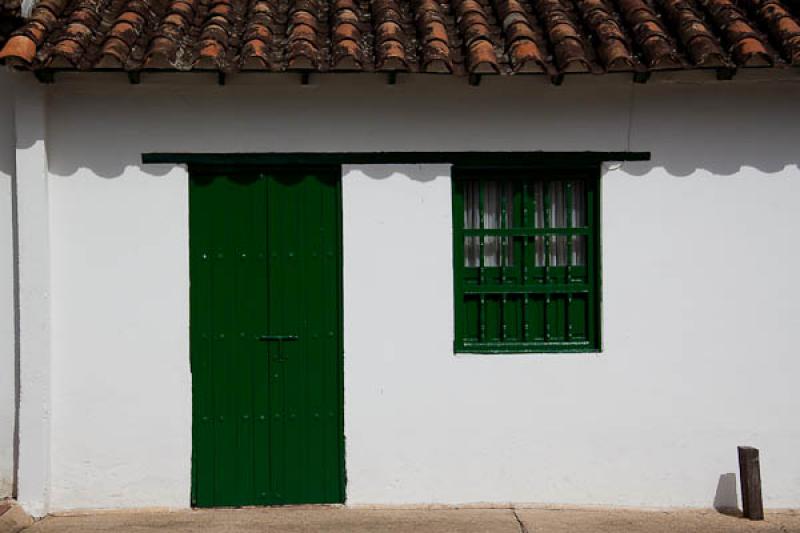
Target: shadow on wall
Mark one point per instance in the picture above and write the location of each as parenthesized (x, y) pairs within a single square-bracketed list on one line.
[(681, 164), (726, 499), (106, 167), (718, 128), (421, 173)]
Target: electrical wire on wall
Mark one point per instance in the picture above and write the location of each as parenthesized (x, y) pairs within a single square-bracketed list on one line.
[(631, 104)]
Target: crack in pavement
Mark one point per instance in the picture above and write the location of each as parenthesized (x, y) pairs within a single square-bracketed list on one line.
[(522, 528)]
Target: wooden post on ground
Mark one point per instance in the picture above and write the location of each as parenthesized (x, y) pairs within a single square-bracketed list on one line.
[(750, 476)]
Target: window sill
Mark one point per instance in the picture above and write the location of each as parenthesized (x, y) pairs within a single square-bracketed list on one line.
[(526, 349)]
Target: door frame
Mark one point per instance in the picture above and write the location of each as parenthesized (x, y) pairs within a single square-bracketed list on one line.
[(234, 164)]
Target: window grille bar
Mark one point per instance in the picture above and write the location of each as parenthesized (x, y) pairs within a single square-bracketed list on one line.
[(591, 260), (546, 223), (569, 205), (569, 225), (524, 264), (537, 189), (502, 245), (481, 266), (554, 288), (481, 228)]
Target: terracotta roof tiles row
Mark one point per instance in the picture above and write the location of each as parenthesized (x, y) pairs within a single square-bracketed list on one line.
[(435, 36)]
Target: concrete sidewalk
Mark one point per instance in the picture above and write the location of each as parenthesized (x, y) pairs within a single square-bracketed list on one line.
[(361, 520)]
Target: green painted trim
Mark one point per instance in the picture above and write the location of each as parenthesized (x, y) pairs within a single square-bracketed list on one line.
[(456, 227), (468, 159), (340, 260), (598, 257), (526, 348)]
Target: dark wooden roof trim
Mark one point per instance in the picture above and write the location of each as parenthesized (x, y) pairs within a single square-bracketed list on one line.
[(460, 159)]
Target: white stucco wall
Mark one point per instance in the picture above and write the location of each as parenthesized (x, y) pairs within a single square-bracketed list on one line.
[(7, 366), (699, 306)]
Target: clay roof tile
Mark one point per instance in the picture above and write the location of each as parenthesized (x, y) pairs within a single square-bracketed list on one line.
[(439, 36)]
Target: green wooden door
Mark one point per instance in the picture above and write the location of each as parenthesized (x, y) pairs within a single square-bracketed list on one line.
[(265, 338)]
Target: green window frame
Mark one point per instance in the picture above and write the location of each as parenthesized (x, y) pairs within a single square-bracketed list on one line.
[(526, 256)]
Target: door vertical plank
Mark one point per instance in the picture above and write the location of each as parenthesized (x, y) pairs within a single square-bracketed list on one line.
[(316, 371), (238, 355), (306, 384), (248, 347), (276, 437), (200, 343), (224, 349), (292, 279), (259, 378), (329, 349), (334, 349), (219, 349)]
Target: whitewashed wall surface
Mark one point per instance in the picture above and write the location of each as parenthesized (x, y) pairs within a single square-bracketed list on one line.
[(701, 307)]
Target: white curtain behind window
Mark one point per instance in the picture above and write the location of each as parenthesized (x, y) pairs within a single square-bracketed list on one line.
[(567, 208), (494, 194)]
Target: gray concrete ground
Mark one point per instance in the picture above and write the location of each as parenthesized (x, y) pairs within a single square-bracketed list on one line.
[(393, 520)]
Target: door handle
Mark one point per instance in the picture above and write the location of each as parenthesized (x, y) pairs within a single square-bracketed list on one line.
[(277, 338)]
